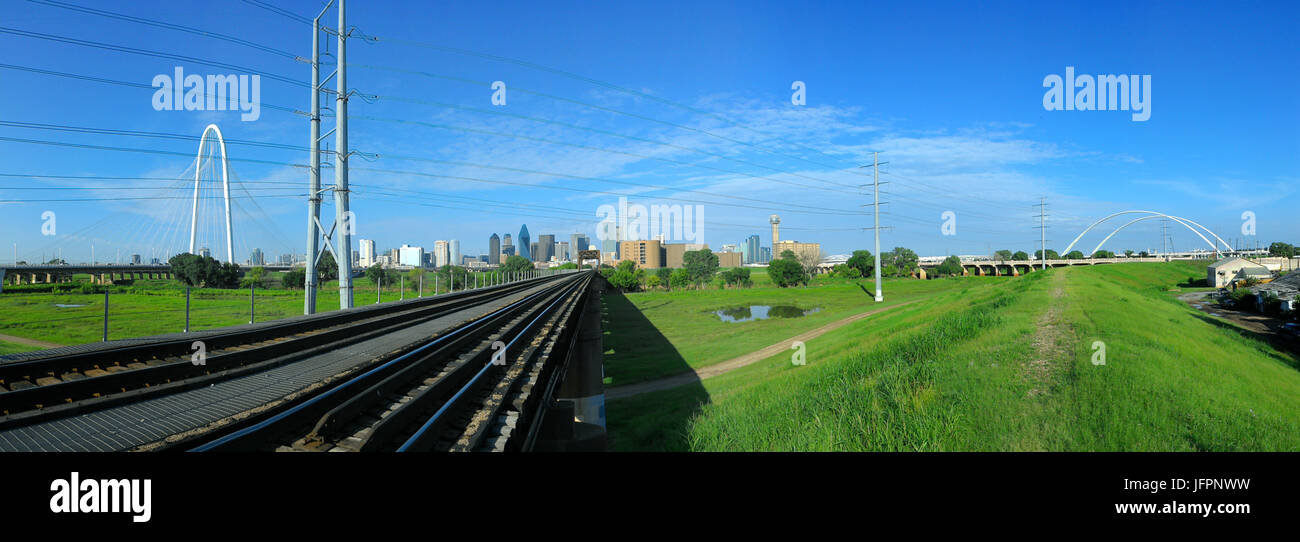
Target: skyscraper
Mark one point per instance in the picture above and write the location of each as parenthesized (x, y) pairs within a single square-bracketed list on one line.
[(776, 224), (545, 247), (494, 250), (562, 251), (750, 249), (577, 242), (524, 243), (453, 248), (367, 253), (441, 254)]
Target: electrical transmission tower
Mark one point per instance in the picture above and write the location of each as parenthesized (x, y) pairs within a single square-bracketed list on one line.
[(344, 224), (1042, 231), (875, 203)]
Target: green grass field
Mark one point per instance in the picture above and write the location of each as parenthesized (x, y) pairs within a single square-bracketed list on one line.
[(152, 307), (655, 334), (998, 364)]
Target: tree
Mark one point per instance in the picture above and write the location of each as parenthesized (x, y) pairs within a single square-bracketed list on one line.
[(844, 271), (1103, 254), (786, 270), (374, 273), (1051, 254), (899, 262), (1073, 255), (1020, 256), (253, 277), (950, 267), (680, 278), (862, 261), (1143, 254), (516, 264), (663, 273), (700, 264), (1003, 255), (736, 276), (1285, 250), (1128, 253), (566, 265), (652, 282), (295, 278), (195, 270), (452, 277), (626, 276), (327, 269)]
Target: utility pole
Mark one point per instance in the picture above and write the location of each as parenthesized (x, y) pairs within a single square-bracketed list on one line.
[(1042, 230), (875, 203), (313, 173), (343, 217)]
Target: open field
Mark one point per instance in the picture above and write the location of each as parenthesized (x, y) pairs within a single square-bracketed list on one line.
[(998, 365), (655, 334), (152, 307)]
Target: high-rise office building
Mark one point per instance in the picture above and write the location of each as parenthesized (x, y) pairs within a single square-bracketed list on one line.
[(453, 248), (367, 258), (751, 249), (441, 254), (525, 243), (135, 259), (562, 251), (494, 250), (545, 247), (577, 242), (532, 250)]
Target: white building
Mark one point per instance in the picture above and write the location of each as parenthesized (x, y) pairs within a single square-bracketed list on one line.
[(409, 255), (441, 253), (453, 249), (1224, 272), (367, 258)]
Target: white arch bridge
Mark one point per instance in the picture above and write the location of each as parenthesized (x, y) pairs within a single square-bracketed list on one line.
[(1148, 215)]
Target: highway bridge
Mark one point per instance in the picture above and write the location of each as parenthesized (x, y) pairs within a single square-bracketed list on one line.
[(1020, 267), (511, 367), (99, 273)]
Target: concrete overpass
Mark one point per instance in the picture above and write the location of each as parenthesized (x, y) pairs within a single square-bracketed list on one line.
[(998, 268), (99, 273)]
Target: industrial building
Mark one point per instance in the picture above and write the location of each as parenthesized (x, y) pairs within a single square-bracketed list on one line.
[(1225, 272)]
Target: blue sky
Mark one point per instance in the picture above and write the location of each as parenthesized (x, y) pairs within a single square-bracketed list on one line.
[(950, 92)]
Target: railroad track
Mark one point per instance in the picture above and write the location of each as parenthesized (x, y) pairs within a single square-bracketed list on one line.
[(478, 387), (68, 384)]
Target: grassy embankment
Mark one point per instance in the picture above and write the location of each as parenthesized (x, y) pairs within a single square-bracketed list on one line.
[(662, 333), (1002, 365)]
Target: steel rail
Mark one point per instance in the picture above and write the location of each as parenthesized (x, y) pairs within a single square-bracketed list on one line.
[(249, 437)]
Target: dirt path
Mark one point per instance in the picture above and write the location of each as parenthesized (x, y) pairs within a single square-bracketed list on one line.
[(1049, 341), (711, 371), (28, 342)]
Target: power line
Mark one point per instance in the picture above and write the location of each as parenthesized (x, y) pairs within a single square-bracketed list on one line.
[(166, 25), (146, 52)]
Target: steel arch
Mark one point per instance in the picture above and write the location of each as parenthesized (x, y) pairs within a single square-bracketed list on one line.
[(225, 183), (1180, 220)]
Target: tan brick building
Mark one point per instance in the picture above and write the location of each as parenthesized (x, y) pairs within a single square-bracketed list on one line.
[(646, 254)]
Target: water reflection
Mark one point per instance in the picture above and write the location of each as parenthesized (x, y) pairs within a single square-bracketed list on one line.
[(762, 312)]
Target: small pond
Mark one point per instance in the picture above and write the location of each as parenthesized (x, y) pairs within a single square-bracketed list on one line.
[(762, 312)]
